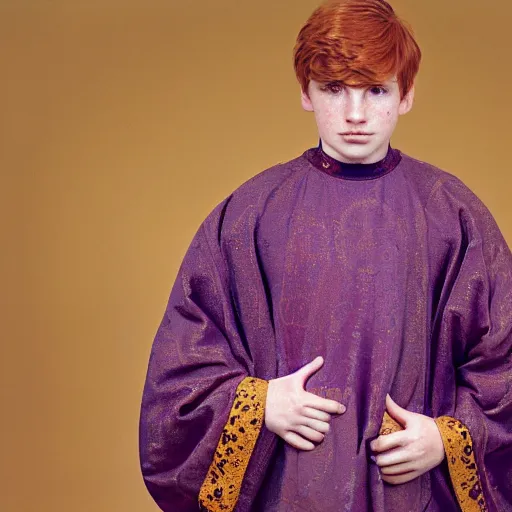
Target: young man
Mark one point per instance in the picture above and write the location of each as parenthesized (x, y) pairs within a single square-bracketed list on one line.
[(388, 269)]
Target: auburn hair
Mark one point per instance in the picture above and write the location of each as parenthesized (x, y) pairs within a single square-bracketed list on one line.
[(357, 42)]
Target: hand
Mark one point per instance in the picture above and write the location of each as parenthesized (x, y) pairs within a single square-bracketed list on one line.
[(297, 416), (407, 454)]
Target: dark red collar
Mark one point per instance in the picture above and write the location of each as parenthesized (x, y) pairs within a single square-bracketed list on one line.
[(325, 163)]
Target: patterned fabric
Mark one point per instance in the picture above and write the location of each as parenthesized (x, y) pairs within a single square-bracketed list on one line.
[(389, 425), (402, 283), (221, 488), (458, 446)]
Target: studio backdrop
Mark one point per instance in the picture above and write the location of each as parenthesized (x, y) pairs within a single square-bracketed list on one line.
[(122, 124)]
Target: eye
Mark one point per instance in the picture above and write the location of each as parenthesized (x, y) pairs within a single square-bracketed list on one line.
[(333, 87), (378, 90)]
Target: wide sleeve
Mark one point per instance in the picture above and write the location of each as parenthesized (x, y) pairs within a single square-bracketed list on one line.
[(472, 335), (202, 410)]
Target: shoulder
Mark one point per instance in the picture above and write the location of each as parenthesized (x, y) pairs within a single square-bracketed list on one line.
[(424, 176), (249, 200), (450, 205), (454, 210), (424, 170), (439, 185), (268, 181)]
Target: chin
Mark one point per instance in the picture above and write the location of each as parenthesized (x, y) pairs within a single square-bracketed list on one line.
[(356, 155)]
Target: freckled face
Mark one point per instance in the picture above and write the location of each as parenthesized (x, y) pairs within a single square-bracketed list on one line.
[(355, 124)]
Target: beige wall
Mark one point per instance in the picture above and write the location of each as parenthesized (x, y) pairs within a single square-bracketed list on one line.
[(122, 124)]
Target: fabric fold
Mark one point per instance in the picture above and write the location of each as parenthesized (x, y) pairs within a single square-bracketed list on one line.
[(403, 284), (199, 378)]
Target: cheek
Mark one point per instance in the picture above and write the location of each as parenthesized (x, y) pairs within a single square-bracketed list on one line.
[(386, 110), (386, 116), (325, 118), (329, 112)]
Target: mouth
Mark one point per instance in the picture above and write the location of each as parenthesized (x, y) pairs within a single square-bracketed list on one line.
[(356, 137)]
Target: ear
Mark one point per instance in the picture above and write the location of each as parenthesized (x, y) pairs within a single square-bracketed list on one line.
[(306, 101), (406, 102)]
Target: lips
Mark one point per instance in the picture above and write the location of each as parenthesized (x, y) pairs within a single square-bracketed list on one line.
[(356, 137)]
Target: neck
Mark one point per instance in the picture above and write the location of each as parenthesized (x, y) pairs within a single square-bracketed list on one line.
[(372, 159), (353, 171)]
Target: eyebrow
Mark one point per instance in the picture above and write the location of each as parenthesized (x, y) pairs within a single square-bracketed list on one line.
[(331, 83)]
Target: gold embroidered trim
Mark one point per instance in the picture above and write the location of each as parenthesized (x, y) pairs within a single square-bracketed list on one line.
[(458, 446), (221, 487), (389, 425)]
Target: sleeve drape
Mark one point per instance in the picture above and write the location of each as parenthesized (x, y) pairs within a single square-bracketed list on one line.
[(199, 385), (473, 334)]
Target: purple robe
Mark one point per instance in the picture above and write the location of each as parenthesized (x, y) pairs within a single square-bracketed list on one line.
[(397, 275)]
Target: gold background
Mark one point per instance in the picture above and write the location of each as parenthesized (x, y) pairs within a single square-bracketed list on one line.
[(122, 124)]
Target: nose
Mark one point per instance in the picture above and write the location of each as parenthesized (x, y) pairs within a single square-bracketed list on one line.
[(355, 107)]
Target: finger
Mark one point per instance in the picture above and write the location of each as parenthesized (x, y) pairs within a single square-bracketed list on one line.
[(398, 413), (323, 404), (389, 441), (298, 442), (319, 426), (400, 479), (309, 433), (391, 457), (304, 373), (398, 469), (316, 414)]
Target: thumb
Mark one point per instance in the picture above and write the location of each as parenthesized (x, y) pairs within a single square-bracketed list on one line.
[(398, 413), (309, 369)]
